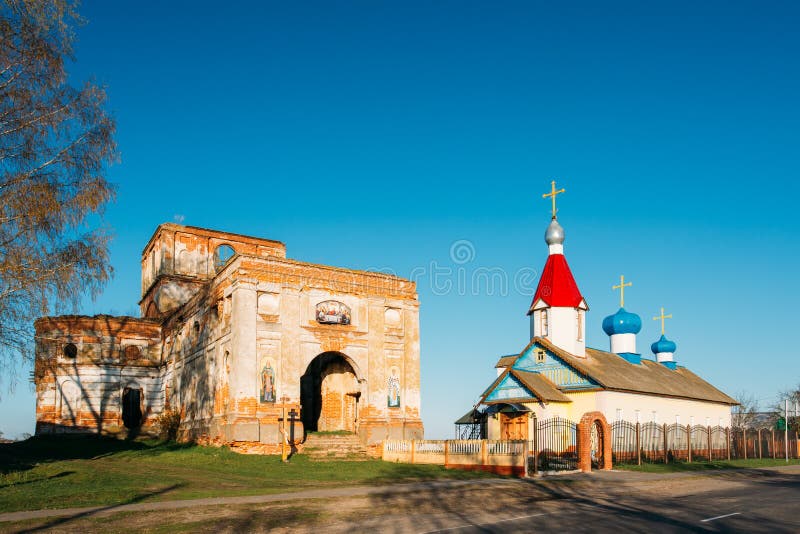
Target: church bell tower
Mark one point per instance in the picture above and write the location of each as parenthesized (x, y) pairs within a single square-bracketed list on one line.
[(558, 310)]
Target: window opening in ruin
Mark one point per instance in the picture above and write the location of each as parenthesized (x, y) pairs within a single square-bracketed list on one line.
[(70, 351), (221, 256)]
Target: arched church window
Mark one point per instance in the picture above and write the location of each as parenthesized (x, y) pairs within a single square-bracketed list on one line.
[(579, 319), (544, 323), (221, 256)]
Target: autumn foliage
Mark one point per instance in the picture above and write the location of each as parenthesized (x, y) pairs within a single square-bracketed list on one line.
[(56, 143)]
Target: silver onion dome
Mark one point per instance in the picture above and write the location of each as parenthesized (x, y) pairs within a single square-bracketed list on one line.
[(554, 234)]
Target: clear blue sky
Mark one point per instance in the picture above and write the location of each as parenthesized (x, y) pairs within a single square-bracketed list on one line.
[(377, 134)]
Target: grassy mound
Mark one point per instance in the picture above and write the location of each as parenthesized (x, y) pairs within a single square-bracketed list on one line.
[(68, 471)]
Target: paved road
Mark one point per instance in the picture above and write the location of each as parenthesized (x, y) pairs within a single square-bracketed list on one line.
[(756, 507), (757, 501)]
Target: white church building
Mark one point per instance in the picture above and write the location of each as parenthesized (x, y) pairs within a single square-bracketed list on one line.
[(557, 375)]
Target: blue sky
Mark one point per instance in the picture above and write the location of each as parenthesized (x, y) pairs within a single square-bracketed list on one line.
[(377, 134)]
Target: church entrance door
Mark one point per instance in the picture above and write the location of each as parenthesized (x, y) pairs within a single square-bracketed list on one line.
[(132, 407), (514, 426), (329, 394)]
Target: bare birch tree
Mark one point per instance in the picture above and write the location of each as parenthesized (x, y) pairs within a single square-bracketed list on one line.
[(56, 143), (746, 413)]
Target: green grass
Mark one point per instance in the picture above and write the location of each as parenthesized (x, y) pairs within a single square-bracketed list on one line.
[(65, 471), (332, 433), (675, 467)]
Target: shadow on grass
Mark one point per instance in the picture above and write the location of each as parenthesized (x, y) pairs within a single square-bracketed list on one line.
[(62, 474), (24, 455), (679, 467), (88, 513)]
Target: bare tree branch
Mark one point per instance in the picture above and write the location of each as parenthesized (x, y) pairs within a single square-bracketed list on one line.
[(56, 143)]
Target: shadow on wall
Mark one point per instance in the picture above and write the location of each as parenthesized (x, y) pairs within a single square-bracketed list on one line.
[(74, 399), (196, 372)]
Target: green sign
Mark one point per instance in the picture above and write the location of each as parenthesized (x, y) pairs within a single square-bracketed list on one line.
[(781, 424)]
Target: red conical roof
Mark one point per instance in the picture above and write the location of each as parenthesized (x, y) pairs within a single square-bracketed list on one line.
[(557, 287)]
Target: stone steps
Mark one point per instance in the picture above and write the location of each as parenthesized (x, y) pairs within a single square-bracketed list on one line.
[(321, 447)]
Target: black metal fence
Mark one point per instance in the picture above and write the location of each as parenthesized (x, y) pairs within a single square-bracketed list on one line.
[(634, 443), (555, 447)]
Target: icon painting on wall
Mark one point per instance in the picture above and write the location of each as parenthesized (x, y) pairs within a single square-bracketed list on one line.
[(333, 312), (393, 383), (267, 380)]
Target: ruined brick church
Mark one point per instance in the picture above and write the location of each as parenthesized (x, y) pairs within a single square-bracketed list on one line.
[(233, 334)]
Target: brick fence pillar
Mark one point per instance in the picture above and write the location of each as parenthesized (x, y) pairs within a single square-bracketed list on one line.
[(585, 440)]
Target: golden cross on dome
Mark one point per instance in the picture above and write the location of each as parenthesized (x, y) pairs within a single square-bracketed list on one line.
[(662, 317), (622, 285), (553, 192)]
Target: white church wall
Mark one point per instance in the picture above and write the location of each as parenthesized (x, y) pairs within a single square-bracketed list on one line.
[(662, 410)]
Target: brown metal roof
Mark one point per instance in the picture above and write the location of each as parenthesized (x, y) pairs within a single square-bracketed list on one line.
[(505, 361), (615, 373), (540, 386)]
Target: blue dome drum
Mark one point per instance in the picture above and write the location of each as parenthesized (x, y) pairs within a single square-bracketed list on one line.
[(622, 322), (663, 345)]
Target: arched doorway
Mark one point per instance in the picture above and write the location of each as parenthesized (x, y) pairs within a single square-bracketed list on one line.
[(594, 442), (596, 450), (329, 394)]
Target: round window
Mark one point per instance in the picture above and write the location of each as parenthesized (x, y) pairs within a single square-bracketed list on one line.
[(70, 351), (132, 352)]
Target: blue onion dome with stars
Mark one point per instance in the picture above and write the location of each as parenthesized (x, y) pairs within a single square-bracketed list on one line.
[(622, 322), (663, 345)]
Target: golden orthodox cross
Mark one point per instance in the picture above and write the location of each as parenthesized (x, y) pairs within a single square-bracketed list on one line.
[(622, 285), (553, 192), (662, 317)]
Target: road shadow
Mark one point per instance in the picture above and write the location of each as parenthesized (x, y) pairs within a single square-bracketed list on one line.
[(588, 503)]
